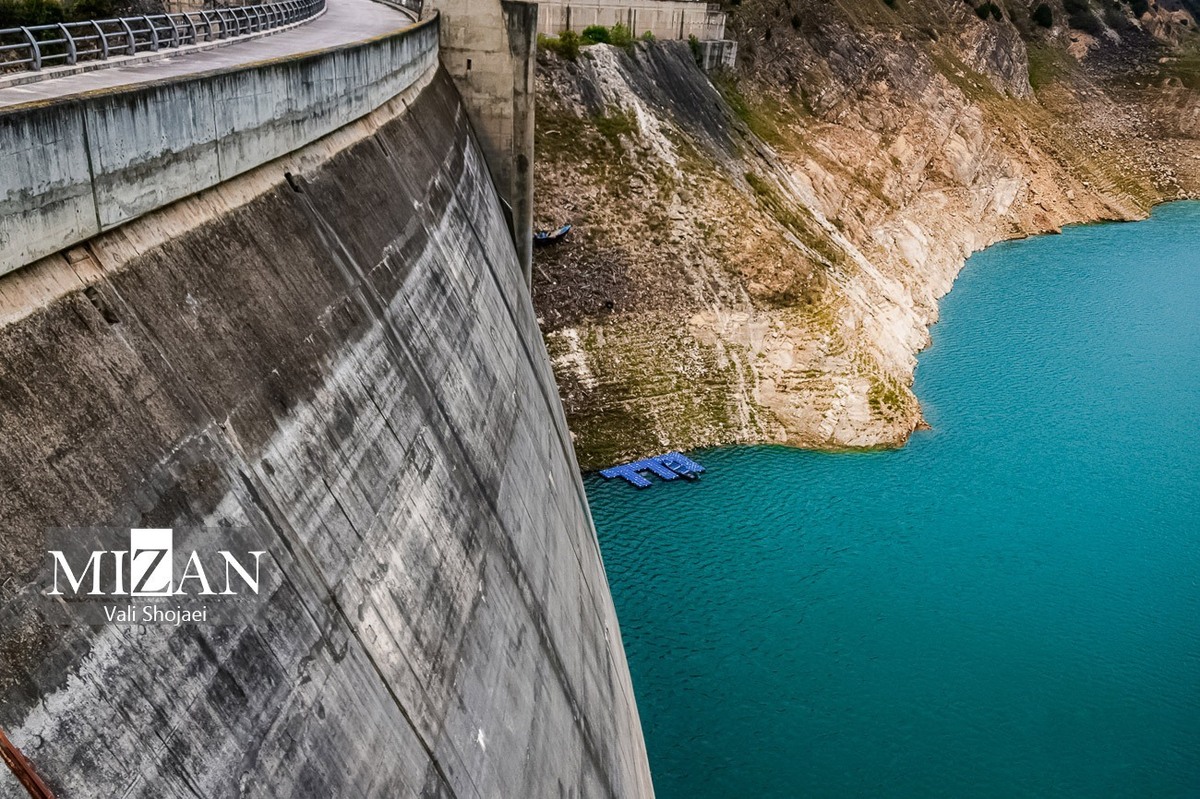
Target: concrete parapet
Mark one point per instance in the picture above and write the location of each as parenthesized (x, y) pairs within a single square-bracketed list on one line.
[(74, 168), (666, 19)]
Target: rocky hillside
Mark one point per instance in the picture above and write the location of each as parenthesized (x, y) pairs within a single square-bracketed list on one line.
[(759, 254)]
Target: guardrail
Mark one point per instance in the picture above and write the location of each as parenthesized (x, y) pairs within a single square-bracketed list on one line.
[(68, 43)]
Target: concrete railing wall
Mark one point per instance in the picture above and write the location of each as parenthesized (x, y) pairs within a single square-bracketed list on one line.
[(338, 350), (663, 18), (71, 170)]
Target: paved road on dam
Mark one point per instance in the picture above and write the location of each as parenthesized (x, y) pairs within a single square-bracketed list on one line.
[(344, 22)]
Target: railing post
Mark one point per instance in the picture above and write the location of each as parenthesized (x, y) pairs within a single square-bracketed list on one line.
[(35, 51), (72, 51), (102, 38), (192, 27), (153, 34), (129, 37)]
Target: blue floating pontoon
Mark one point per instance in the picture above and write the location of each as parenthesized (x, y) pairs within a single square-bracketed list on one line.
[(666, 467)]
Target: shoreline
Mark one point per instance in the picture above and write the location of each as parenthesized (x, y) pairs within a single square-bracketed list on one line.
[(923, 423), (728, 283)]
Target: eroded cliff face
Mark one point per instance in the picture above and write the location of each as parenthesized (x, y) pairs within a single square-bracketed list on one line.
[(758, 258)]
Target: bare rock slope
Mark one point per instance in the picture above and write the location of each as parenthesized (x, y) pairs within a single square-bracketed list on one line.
[(759, 255)]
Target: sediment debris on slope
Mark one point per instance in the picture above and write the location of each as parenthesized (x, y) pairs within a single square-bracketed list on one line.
[(758, 257)]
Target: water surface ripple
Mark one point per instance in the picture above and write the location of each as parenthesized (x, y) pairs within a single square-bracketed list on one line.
[(1007, 607)]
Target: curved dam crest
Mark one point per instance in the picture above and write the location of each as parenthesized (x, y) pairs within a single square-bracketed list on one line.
[(337, 348)]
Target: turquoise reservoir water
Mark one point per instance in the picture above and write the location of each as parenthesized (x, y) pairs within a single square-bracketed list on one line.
[(1007, 607)]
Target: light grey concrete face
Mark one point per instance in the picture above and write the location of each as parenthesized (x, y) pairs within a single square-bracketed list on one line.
[(148, 149), (666, 19), (44, 193), (136, 150), (349, 363), (489, 47)]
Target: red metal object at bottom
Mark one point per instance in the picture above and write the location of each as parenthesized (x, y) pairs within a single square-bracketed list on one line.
[(23, 770)]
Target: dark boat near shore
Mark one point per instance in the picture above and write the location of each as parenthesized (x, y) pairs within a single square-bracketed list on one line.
[(544, 237)]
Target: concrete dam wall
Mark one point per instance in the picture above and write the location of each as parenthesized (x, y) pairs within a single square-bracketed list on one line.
[(666, 19), (71, 170), (335, 348)]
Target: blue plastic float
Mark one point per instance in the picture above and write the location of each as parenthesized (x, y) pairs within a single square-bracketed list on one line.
[(666, 467)]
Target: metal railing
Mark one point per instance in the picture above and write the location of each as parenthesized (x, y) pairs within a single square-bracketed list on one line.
[(39, 46)]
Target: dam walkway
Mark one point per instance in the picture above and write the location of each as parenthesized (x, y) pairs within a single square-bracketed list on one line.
[(75, 151), (344, 22)]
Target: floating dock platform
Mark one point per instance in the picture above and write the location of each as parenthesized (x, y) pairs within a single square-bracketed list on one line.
[(667, 467)]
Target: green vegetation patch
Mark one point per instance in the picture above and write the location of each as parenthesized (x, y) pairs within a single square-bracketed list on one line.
[(985, 10), (796, 219), (24, 13), (1047, 64), (766, 117), (563, 134), (886, 397), (566, 44), (1185, 66), (615, 124), (619, 35), (596, 34), (1043, 15), (1080, 16)]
